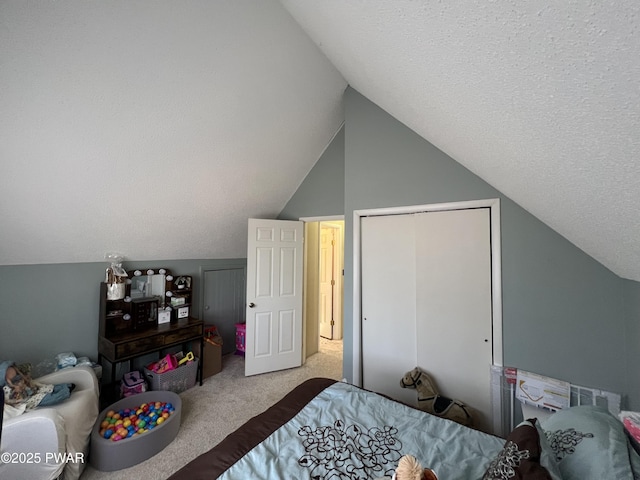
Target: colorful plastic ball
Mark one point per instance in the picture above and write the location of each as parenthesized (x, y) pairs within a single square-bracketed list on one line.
[(128, 422)]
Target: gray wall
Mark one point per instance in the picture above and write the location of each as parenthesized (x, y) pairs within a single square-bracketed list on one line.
[(49, 309), (632, 313), (322, 191), (562, 310), (564, 314)]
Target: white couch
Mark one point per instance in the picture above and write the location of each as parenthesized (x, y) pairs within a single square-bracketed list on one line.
[(54, 439)]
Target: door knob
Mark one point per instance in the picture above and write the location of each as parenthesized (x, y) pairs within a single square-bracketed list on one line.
[(206, 307), (251, 305)]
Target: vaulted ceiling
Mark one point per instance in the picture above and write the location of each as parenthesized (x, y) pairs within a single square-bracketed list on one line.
[(155, 129), (540, 99)]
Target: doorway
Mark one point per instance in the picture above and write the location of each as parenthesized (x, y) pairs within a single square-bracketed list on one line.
[(323, 285), (223, 299), (283, 292)]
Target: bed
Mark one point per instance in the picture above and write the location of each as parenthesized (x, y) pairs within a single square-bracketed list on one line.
[(324, 429)]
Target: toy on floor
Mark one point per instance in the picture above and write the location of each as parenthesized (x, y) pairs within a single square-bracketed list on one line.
[(134, 421), (431, 402), (23, 393), (132, 383)]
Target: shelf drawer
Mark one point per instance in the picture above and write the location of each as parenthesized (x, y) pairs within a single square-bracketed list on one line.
[(183, 334), (140, 346)]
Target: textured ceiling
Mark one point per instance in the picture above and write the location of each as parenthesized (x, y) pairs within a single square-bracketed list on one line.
[(156, 128), (153, 128), (540, 99)]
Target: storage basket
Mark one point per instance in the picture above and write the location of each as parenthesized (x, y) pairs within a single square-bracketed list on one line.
[(177, 380)]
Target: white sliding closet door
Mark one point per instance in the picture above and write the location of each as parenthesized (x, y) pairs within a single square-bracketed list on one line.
[(389, 294), (453, 262), (426, 301)]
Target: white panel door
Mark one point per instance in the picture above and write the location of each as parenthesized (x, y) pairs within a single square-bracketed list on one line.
[(327, 281), (453, 262), (388, 304), (274, 296)]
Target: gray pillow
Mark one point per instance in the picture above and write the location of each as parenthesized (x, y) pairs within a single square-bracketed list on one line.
[(589, 444), (547, 455)]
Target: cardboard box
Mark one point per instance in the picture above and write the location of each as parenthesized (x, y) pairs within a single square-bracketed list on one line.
[(212, 360)]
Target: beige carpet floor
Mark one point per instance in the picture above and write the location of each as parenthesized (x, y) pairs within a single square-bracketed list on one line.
[(223, 403)]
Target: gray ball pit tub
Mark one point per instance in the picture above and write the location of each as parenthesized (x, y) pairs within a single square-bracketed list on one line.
[(108, 456)]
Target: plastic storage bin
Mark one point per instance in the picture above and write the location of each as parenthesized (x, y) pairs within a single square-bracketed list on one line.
[(241, 330), (177, 381)]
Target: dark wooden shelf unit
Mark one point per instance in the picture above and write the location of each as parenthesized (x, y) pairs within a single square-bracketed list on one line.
[(127, 331)]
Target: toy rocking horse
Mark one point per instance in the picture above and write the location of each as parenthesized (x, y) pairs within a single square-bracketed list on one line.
[(431, 402)]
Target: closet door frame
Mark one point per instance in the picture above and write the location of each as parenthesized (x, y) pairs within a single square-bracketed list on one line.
[(496, 271)]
